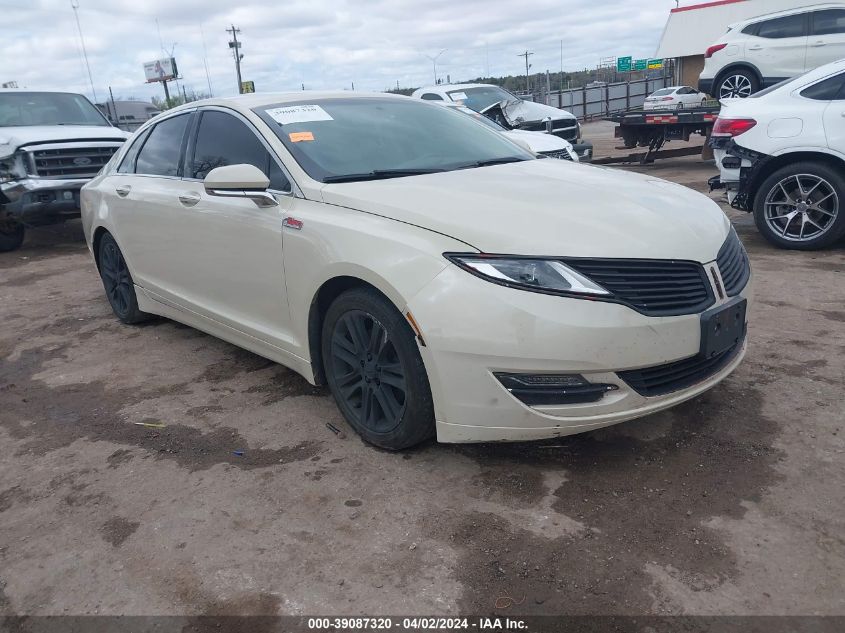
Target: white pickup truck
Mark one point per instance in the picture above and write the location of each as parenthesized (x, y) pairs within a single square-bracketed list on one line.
[(51, 143)]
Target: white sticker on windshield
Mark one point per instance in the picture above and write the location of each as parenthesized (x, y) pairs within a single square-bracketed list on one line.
[(458, 96), (299, 114)]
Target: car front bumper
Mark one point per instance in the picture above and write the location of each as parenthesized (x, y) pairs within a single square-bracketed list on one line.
[(517, 331), (39, 201), (584, 149)]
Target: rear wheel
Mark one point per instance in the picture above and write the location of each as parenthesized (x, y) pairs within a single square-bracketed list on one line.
[(11, 234), (738, 84), (375, 371), (800, 206), (117, 282)]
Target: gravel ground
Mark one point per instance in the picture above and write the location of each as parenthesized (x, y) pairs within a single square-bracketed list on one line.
[(729, 504)]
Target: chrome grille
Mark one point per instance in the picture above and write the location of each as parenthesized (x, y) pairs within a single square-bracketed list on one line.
[(654, 287), (562, 154), (70, 162), (733, 264)]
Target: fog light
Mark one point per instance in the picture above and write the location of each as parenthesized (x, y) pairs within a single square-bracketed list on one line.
[(731, 162), (551, 389)]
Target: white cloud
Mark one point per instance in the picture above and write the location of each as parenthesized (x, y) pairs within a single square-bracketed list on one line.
[(322, 44)]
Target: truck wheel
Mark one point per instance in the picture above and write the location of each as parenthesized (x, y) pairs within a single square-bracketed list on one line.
[(11, 234), (800, 206), (117, 282), (738, 83), (375, 371)]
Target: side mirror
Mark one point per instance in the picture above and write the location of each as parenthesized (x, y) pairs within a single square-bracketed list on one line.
[(240, 181)]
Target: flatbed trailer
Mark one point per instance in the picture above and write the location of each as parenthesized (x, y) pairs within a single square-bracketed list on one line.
[(654, 128)]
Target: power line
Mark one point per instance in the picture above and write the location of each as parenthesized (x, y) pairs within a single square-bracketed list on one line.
[(526, 55), (75, 6)]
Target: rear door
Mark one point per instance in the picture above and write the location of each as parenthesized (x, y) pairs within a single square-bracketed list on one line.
[(143, 198), (826, 42), (777, 47)]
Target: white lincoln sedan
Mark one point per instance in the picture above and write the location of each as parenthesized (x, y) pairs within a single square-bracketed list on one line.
[(454, 284)]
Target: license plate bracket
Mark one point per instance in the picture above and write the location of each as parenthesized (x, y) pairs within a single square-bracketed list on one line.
[(723, 327)]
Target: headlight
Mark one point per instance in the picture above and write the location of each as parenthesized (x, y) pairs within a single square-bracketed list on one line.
[(528, 273), (10, 169)]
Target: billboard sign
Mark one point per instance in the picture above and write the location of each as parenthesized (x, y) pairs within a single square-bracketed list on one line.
[(623, 64), (161, 70), (247, 87)]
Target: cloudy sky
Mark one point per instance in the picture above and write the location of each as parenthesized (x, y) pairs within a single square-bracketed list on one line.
[(323, 44)]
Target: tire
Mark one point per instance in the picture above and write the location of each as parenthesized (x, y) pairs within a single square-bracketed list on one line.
[(801, 206), (735, 83), (117, 282), (11, 235), (375, 371)]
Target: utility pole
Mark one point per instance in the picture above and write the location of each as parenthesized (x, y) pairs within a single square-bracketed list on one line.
[(235, 45), (75, 6), (434, 63), (526, 55)]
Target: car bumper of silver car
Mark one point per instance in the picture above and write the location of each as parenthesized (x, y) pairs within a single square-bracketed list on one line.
[(41, 200)]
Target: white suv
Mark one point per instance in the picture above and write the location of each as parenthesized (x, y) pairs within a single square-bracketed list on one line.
[(762, 51), (781, 154)]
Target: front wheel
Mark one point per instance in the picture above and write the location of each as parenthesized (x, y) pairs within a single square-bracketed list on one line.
[(800, 206), (11, 234), (375, 371)]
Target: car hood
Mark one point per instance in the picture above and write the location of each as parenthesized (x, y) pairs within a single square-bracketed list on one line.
[(549, 207), (539, 141), (519, 112), (11, 138)]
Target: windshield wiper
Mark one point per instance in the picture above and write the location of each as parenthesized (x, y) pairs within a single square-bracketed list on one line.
[(380, 174), (493, 161)]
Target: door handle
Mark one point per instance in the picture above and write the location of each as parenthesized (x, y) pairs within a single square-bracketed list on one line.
[(755, 48), (123, 190), (819, 43), (189, 199)]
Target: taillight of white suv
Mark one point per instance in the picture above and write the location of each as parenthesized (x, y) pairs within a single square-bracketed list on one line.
[(732, 127), (713, 49)]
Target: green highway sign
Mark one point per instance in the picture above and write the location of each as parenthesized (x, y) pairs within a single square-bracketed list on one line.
[(655, 63), (640, 64), (623, 64)]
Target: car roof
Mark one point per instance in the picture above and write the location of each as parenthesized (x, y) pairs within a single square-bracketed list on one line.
[(257, 100), (787, 12)]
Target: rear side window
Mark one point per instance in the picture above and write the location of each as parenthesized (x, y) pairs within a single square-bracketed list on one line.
[(787, 26), (831, 89), (161, 152), (828, 22), (127, 165), (430, 96), (225, 140)]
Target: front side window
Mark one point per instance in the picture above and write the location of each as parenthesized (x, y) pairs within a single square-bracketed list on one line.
[(371, 137), (828, 90), (48, 108), (828, 22), (779, 28), (224, 140), (163, 148)]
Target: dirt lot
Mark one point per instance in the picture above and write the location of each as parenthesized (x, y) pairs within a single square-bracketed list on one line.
[(732, 503)]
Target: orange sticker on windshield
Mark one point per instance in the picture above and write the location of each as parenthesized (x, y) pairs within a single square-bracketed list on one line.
[(298, 137)]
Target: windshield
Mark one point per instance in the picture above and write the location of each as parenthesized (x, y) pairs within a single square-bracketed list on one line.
[(365, 138), (664, 91), (481, 97), (47, 108)]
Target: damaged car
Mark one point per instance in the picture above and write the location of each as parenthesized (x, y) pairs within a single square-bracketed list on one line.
[(781, 156), (512, 112), (51, 143)]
